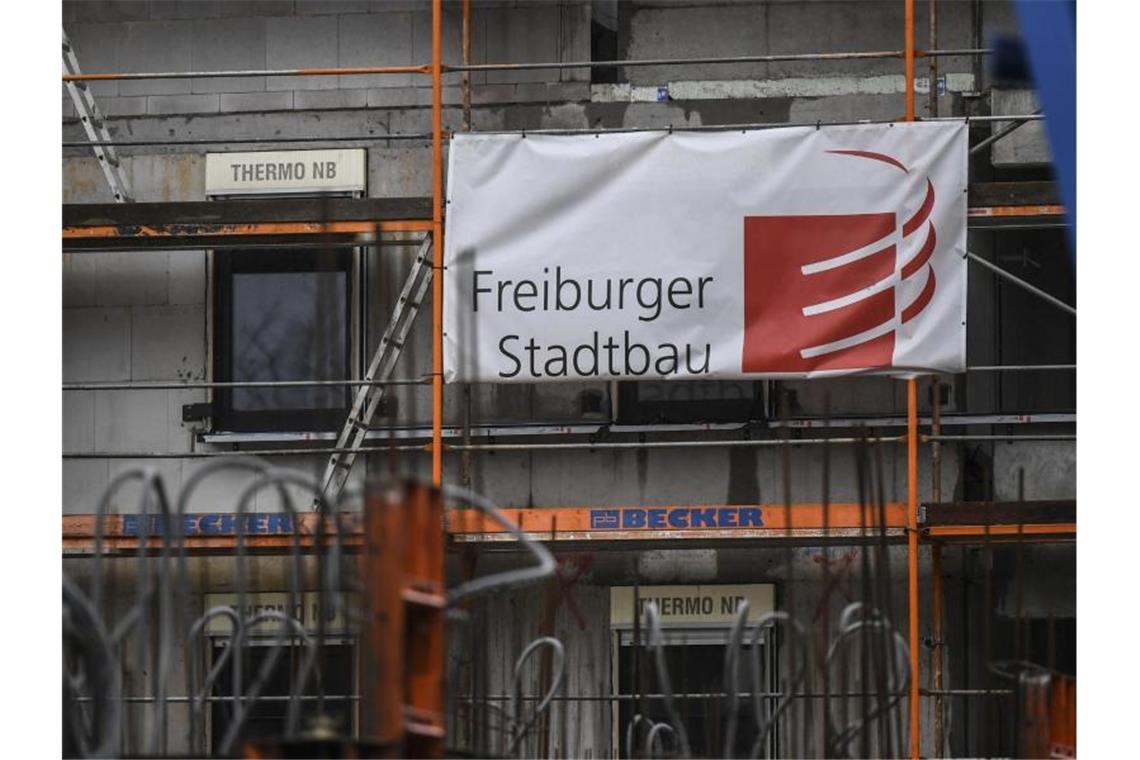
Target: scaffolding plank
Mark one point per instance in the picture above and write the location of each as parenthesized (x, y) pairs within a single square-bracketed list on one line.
[(1001, 533), (1000, 512), (244, 211), (214, 532)]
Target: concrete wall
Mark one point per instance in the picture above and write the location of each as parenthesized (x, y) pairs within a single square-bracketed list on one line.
[(141, 317)]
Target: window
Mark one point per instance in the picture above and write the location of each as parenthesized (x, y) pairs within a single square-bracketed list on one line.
[(689, 401), (695, 624), (267, 716), (282, 315), (695, 662), (605, 22)]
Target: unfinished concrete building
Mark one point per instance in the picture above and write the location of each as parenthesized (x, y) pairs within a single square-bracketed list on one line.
[(261, 454)]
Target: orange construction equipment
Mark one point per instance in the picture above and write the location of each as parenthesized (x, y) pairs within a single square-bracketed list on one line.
[(401, 664)]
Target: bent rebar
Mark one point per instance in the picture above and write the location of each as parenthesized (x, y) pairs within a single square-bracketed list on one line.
[(732, 675), (653, 741), (84, 631), (266, 670), (874, 622), (544, 569), (198, 695), (765, 726), (556, 688), (629, 729), (657, 646)]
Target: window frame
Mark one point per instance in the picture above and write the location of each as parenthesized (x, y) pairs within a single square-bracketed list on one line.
[(226, 264)]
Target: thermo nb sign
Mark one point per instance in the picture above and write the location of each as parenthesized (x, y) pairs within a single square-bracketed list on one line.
[(291, 171), (783, 253)]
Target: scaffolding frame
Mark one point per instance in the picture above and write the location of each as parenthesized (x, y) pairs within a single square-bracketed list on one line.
[(78, 529)]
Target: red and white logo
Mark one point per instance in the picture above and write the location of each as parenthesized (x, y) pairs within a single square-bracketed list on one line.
[(822, 292)]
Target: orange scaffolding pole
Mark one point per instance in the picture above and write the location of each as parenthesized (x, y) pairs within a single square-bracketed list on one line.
[(912, 444), (912, 556), (437, 242)]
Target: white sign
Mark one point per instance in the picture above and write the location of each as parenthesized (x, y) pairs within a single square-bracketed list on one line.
[(683, 605), (290, 171), (795, 252)]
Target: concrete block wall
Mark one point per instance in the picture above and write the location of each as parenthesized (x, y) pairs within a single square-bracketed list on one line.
[(697, 476), (142, 36), (145, 36)]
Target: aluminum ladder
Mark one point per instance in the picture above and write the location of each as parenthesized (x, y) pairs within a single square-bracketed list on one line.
[(370, 396), (95, 126)]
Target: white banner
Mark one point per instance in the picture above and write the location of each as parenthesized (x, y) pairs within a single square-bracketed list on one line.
[(794, 252)]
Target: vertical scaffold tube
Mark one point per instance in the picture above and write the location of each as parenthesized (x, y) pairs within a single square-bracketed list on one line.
[(908, 58), (912, 442), (912, 557), (466, 58), (437, 243), (936, 591)]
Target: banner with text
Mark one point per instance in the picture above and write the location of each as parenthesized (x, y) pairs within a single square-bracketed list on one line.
[(793, 252)]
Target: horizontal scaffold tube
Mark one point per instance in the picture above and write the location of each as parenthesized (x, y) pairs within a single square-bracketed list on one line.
[(591, 130), (585, 446), (426, 68), (579, 446), (203, 385)]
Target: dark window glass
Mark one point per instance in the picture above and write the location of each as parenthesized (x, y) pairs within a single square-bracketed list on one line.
[(267, 716), (689, 401), (282, 316), (694, 669), (604, 26)]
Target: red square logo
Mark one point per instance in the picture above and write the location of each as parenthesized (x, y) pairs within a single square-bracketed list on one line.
[(808, 299)]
